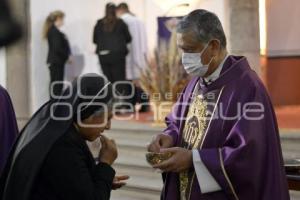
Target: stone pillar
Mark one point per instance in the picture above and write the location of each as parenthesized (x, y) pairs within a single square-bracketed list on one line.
[(17, 62), (244, 30)]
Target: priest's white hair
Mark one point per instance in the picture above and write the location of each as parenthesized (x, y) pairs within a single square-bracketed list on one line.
[(204, 24)]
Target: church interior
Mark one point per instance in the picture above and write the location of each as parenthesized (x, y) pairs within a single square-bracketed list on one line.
[(265, 31)]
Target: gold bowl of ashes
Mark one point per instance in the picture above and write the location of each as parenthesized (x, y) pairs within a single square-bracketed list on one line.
[(157, 158)]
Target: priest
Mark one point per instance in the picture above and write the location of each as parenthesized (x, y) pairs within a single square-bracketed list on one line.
[(222, 133)]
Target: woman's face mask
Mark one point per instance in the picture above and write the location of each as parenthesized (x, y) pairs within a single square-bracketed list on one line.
[(193, 64)]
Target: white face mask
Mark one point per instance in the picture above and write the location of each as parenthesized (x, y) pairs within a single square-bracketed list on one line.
[(193, 65)]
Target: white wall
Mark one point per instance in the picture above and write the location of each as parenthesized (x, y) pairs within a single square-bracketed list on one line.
[(2, 67), (81, 16), (220, 8), (283, 30)]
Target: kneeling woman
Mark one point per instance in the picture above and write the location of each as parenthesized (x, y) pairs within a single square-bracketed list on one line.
[(51, 159)]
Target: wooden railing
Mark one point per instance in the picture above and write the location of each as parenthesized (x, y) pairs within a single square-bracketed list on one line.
[(292, 168)]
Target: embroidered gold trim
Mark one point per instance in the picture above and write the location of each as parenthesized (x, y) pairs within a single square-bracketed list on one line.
[(201, 138), (216, 105), (192, 182), (193, 132), (226, 175)]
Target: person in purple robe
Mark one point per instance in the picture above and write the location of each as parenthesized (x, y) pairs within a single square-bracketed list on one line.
[(8, 126), (10, 32), (222, 133)]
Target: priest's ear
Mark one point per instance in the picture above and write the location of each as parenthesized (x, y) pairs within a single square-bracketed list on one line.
[(215, 46)]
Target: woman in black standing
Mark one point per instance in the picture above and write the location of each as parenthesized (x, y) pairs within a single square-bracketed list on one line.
[(111, 36), (51, 160), (59, 50)]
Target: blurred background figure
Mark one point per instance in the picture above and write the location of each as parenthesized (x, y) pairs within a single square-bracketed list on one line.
[(10, 31), (136, 60), (59, 50), (111, 36), (8, 127)]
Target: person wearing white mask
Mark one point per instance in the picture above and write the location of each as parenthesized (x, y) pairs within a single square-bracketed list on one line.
[(222, 133)]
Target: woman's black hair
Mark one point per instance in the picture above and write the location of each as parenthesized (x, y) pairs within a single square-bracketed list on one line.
[(110, 18)]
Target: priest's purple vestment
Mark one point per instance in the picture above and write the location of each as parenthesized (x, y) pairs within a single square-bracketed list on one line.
[(240, 145), (8, 126)]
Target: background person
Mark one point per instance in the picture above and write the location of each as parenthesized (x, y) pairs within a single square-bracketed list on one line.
[(136, 59), (59, 49), (111, 37)]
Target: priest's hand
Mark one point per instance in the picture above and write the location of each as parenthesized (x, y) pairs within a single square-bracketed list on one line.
[(181, 160), (160, 141), (118, 182)]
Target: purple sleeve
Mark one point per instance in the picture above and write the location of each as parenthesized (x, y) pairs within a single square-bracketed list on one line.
[(248, 165), (173, 119), (172, 128)]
